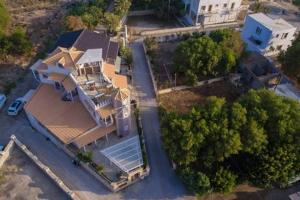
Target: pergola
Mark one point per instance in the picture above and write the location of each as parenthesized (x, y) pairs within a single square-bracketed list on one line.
[(127, 155)]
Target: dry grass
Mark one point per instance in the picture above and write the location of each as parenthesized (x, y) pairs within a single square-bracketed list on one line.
[(182, 101), (42, 20)]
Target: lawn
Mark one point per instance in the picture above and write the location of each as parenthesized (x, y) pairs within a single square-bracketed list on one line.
[(182, 101)]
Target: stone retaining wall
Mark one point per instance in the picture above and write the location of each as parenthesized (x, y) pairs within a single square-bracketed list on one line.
[(183, 87), (4, 155), (141, 12), (150, 70)]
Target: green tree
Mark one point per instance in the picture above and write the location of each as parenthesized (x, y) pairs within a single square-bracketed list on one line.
[(277, 166), (224, 180), (4, 16), (290, 60), (197, 182), (121, 7), (20, 43), (256, 137), (111, 22), (200, 55)]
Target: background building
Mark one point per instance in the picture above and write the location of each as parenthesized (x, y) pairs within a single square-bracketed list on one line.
[(206, 12), (266, 35)]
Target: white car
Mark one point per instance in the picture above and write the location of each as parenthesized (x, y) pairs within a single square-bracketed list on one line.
[(16, 107), (2, 100)]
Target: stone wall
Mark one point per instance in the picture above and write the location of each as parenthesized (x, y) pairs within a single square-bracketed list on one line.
[(150, 70), (4, 155)]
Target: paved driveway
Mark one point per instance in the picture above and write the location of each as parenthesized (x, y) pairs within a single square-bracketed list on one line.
[(162, 183)]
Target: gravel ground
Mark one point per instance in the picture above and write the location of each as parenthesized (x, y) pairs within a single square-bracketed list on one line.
[(22, 179)]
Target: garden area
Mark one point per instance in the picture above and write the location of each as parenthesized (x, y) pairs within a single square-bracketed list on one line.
[(195, 57)]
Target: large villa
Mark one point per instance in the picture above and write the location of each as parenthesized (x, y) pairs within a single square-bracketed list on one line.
[(81, 97)]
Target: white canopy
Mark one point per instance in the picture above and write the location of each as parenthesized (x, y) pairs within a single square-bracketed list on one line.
[(127, 155), (90, 56)]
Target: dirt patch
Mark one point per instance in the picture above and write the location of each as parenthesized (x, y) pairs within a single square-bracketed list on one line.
[(248, 192), (162, 65), (22, 179), (42, 20), (182, 101)]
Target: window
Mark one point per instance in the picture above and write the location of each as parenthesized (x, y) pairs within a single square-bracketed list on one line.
[(279, 48), (203, 8), (258, 31), (45, 75), (225, 5), (209, 8), (232, 5), (60, 65), (284, 35)]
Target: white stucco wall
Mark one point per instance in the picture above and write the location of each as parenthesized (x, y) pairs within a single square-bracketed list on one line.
[(267, 37), (217, 14)]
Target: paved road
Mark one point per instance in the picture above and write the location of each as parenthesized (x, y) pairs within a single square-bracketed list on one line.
[(162, 182)]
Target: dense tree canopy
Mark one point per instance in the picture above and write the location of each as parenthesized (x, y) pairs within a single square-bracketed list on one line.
[(212, 55), (255, 138), (290, 60)]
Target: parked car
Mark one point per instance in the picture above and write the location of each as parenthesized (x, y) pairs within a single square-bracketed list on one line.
[(2, 100), (16, 107)]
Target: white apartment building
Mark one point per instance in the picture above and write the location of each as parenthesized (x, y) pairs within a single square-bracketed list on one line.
[(207, 12), (267, 36)]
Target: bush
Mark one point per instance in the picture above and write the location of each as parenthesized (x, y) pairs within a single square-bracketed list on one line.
[(73, 23), (197, 182), (16, 44), (99, 168), (126, 54), (224, 181), (20, 42), (8, 87), (85, 157)]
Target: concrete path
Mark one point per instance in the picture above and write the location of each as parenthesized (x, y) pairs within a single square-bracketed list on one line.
[(162, 183)]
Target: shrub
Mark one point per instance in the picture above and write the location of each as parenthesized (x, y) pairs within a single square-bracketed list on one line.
[(85, 157), (8, 87), (224, 180)]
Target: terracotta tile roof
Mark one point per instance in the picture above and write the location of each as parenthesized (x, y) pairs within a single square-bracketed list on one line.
[(119, 81), (109, 70), (105, 111), (121, 94), (65, 120), (69, 84), (65, 57), (93, 135)]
